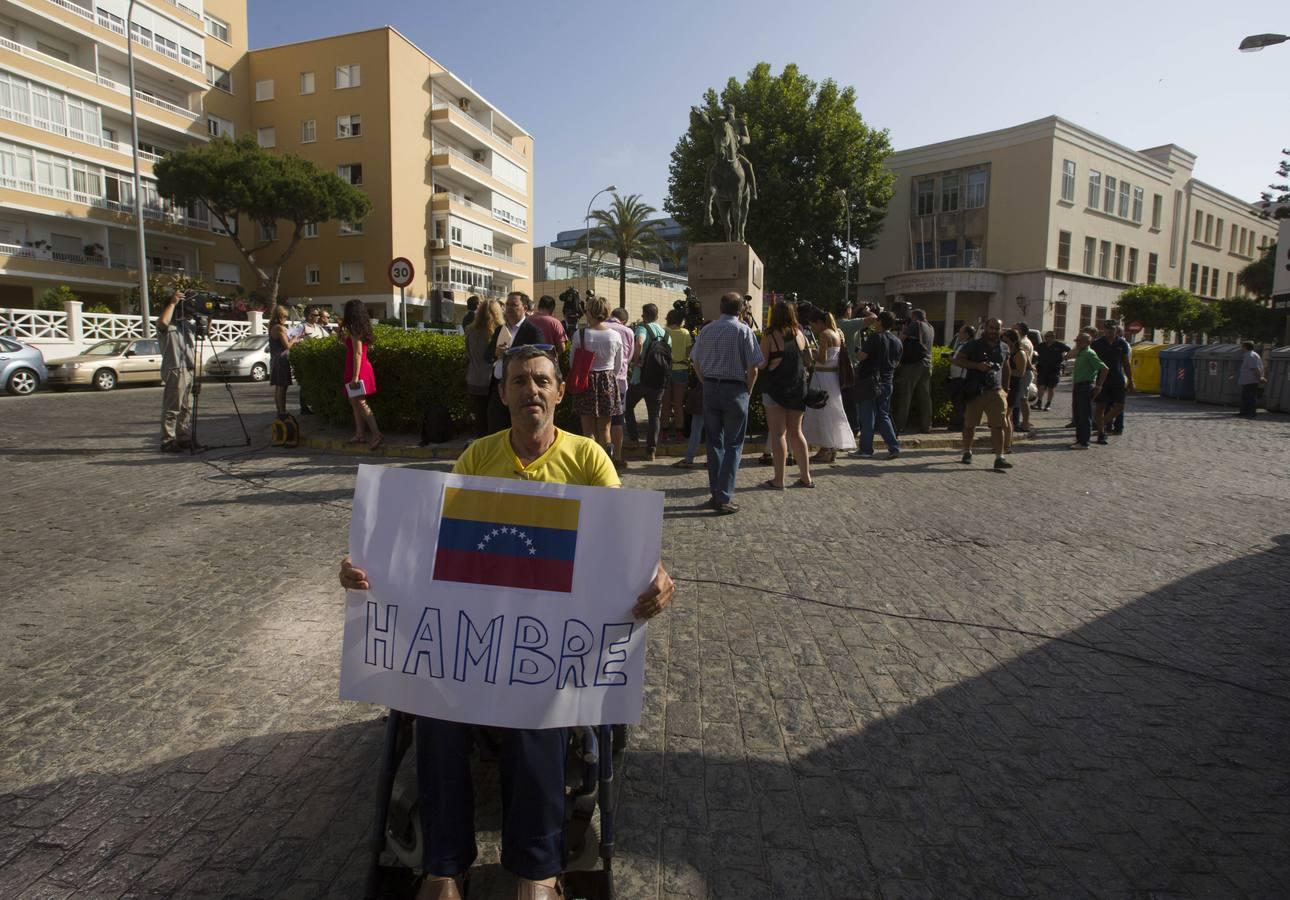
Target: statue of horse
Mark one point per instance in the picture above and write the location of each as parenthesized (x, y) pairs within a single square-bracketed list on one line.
[(731, 184)]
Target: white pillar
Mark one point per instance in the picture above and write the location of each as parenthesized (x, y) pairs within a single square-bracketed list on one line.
[(950, 297), (255, 319), (74, 326)]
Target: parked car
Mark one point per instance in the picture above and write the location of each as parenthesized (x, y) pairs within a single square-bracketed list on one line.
[(246, 357), (22, 367), (109, 363)]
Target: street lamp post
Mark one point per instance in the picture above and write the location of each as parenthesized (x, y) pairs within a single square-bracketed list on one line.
[(586, 224), (846, 274), (146, 326)]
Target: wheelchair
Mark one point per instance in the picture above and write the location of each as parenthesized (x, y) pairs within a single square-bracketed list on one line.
[(396, 841)]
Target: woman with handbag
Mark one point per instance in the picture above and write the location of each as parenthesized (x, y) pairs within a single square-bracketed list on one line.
[(828, 428), (783, 393), (598, 352)]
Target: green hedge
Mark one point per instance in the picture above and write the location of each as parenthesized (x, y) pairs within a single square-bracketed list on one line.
[(414, 367)]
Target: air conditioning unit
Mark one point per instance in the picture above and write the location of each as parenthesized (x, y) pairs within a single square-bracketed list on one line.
[(481, 156), (438, 244), (464, 104)]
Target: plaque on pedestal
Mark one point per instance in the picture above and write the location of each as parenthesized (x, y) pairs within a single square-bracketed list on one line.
[(722, 268)]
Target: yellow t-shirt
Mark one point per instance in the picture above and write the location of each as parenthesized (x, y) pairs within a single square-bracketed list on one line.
[(681, 342), (570, 459)]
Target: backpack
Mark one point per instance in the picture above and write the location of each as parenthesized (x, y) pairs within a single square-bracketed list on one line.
[(436, 424), (656, 359)]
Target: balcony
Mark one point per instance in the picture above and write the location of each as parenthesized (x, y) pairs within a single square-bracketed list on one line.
[(44, 263), (482, 215), (468, 128), (475, 171), (155, 209), (190, 64)]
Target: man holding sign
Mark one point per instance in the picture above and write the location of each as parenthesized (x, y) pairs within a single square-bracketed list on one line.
[(540, 534)]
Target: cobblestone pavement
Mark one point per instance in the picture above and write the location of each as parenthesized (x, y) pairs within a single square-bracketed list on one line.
[(920, 680)]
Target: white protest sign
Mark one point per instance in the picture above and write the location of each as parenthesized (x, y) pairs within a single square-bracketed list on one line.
[(497, 601)]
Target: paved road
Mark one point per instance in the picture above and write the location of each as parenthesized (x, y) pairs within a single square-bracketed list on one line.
[(920, 680)]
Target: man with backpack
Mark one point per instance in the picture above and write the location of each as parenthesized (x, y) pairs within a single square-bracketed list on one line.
[(650, 375), (913, 380)]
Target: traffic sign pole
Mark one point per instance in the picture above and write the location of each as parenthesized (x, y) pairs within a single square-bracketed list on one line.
[(403, 309)]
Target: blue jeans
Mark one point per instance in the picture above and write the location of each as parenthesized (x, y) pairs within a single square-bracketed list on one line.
[(532, 772), (725, 421), (876, 413), (696, 435)]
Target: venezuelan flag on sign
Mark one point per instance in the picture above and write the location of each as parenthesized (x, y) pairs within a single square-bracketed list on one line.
[(507, 540)]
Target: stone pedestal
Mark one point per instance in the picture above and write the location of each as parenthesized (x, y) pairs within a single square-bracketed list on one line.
[(716, 269)]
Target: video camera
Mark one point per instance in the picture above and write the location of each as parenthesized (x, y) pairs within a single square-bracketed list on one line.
[(572, 307), (199, 307), (692, 308)]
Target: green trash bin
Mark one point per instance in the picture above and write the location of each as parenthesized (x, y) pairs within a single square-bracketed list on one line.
[(1276, 393), (1218, 367)]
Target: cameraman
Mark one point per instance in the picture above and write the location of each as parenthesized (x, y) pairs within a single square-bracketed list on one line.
[(178, 354)]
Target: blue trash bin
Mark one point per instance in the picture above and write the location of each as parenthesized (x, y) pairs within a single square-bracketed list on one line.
[(1178, 371)]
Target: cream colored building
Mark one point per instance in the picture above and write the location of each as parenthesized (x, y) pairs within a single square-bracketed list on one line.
[(66, 182), (1049, 222), (449, 175)]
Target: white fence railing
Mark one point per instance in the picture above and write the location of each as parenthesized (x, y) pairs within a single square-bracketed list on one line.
[(69, 331)]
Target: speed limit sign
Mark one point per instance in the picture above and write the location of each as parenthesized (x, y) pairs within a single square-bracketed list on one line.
[(401, 271)]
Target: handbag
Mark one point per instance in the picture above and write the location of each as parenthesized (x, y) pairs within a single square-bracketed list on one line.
[(846, 372), (815, 398), (693, 403), (580, 368)]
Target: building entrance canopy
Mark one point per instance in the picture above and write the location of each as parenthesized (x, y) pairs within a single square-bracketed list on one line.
[(930, 281)]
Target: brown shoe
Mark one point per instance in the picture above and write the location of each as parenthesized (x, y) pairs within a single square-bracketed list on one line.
[(532, 890), (435, 887)]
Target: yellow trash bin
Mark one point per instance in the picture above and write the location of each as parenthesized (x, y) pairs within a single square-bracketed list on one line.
[(1145, 360)]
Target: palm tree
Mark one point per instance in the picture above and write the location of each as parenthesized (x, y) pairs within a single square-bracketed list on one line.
[(624, 230)]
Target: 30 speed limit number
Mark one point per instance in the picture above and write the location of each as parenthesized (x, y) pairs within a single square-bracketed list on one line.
[(401, 271)]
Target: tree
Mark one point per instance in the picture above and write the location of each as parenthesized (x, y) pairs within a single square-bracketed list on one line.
[(159, 286), (239, 181), (625, 231), (1277, 206), (1258, 276), (808, 141), (1204, 318), (1245, 317), (55, 298), (1159, 306)]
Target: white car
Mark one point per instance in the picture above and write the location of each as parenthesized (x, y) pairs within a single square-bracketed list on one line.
[(246, 357)]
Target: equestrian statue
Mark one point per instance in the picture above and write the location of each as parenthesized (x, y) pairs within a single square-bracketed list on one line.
[(731, 183)]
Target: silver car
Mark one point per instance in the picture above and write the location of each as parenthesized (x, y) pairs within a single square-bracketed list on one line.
[(109, 363), (22, 367), (246, 357)]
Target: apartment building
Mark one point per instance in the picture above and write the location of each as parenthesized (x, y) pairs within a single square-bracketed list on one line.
[(66, 182), (449, 175), (1050, 222)]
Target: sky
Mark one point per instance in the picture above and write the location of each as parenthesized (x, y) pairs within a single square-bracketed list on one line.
[(605, 88)]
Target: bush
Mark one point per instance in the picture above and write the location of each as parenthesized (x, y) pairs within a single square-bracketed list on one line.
[(54, 298), (412, 369)]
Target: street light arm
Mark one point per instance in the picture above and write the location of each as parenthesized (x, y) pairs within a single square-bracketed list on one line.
[(1256, 42), (586, 222)]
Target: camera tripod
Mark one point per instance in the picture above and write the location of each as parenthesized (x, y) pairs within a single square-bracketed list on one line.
[(201, 329)]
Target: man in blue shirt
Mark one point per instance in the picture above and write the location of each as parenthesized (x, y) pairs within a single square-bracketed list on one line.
[(726, 357), (1114, 352)]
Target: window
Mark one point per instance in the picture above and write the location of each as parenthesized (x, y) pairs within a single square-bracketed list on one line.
[(1094, 187), (351, 272), (349, 126), (1124, 200), (347, 77), (1133, 265), (975, 198), (269, 232), (1213, 282), (306, 82), (310, 230), (949, 193), (1192, 279), (267, 137), (1204, 279), (351, 227), (1119, 262), (1137, 204), (216, 28), (1157, 210), (1108, 196), (313, 275), (1104, 259), (264, 89), (1232, 243), (226, 273), (219, 78), (1059, 319), (926, 192), (1218, 234), (218, 127), (1090, 251), (1085, 316), (1153, 266), (949, 255), (924, 256), (972, 253), (455, 235), (308, 131), (1101, 315), (1196, 228), (1068, 180), (351, 172), (190, 58), (1228, 292), (1064, 250)]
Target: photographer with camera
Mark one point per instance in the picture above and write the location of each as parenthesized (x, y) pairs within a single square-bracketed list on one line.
[(989, 367), (178, 337)]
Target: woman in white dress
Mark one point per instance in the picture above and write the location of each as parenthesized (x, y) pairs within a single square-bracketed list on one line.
[(827, 428)]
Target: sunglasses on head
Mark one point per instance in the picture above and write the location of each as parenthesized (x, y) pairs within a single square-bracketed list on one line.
[(545, 348)]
